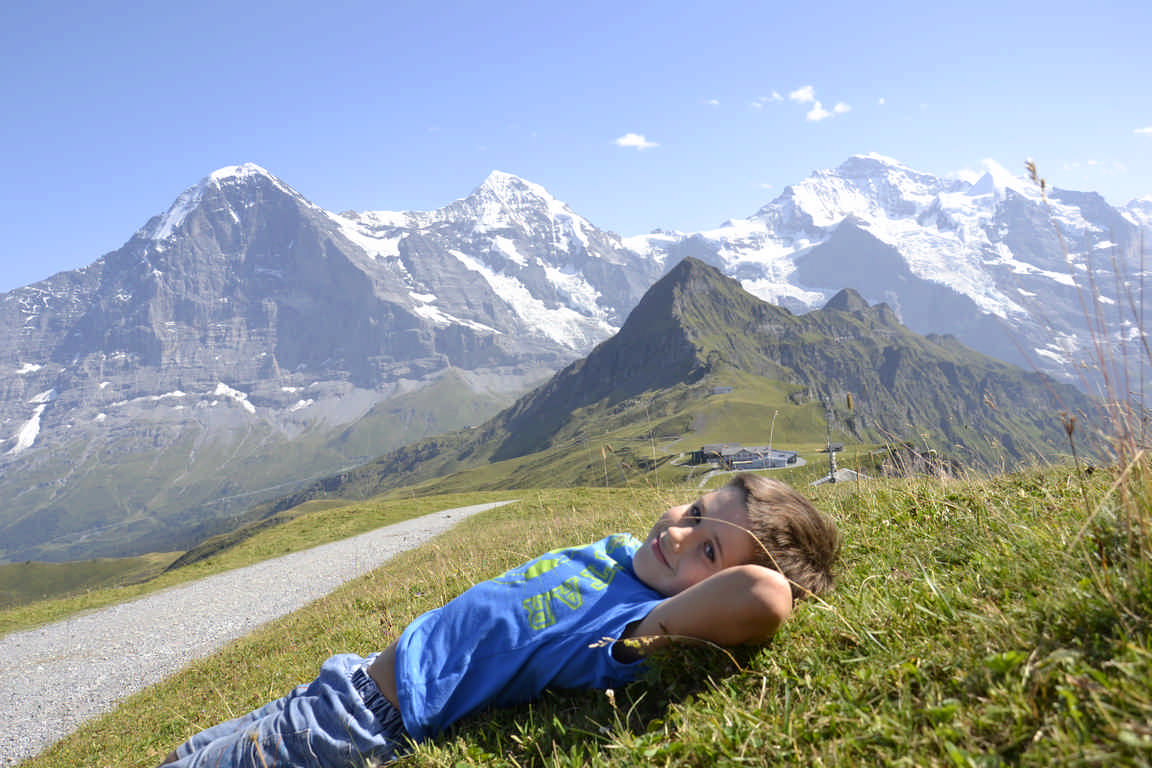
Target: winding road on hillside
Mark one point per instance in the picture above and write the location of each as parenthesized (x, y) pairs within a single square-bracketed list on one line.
[(53, 678)]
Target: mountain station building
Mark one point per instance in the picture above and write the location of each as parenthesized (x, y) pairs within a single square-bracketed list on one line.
[(739, 458)]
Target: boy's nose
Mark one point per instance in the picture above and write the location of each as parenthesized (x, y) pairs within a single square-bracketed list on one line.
[(677, 534)]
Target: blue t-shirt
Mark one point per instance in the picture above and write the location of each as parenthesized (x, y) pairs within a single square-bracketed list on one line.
[(505, 640)]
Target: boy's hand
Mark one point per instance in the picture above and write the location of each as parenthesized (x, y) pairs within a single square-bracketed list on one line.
[(741, 604)]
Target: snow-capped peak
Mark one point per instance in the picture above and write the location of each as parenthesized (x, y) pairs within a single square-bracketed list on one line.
[(513, 189), (944, 228), (504, 199), (869, 163), (1139, 211), (246, 173), (191, 197), (985, 185), (869, 186), (1005, 179), (996, 180), (242, 172)]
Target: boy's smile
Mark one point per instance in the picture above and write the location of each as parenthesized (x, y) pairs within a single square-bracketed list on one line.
[(691, 542)]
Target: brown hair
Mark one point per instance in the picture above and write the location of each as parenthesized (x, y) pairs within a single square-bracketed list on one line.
[(794, 537)]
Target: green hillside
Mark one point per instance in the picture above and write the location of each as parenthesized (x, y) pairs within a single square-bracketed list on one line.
[(39, 593), (31, 581), (657, 390)]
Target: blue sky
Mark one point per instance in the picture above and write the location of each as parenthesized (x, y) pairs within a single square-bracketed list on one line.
[(666, 114)]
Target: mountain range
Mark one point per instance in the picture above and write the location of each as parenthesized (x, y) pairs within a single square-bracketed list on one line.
[(1014, 271), (246, 341), (697, 346)]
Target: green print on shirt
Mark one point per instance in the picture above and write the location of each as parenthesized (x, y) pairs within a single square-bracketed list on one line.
[(597, 576), (538, 567), (541, 566)]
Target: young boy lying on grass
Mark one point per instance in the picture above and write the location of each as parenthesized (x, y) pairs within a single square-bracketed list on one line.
[(726, 569)]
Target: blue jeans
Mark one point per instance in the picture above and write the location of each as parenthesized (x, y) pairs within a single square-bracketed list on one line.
[(339, 720)]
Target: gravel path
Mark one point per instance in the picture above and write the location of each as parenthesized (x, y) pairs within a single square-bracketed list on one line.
[(55, 677)]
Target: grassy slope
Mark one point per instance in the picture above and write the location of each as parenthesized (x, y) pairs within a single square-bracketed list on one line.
[(608, 443), (971, 626), (619, 450), (23, 583), (309, 526)]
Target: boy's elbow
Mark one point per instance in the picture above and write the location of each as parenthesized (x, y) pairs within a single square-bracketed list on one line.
[(770, 596)]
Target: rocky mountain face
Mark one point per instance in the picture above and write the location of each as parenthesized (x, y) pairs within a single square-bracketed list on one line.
[(987, 259), (231, 346)]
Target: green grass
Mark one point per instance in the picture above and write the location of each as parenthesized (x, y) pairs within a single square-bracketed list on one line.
[(33, 581), (980, 622), (306, 526)]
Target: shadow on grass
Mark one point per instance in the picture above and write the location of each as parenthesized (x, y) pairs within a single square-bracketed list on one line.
[(581, 726)]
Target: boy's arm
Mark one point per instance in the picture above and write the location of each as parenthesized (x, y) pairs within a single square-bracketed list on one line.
[(742, 604)]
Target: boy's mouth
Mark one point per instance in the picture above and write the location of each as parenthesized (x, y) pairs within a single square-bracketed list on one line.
[(659, 552)]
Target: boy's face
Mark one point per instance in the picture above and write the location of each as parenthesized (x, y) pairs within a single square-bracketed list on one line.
[(689, 543)]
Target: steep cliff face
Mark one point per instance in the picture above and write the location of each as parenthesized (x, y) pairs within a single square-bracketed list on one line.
[(222, 351), (251, 283)]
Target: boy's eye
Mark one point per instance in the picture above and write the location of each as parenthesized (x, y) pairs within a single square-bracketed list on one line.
[(709, 551), (694, 513)]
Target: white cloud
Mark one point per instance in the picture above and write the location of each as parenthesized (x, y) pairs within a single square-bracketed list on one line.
[(713, 102), (1147, 130), (807, 95), (636, 140), (803, 95), (880, 101), (817, 113), (760, 101)]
